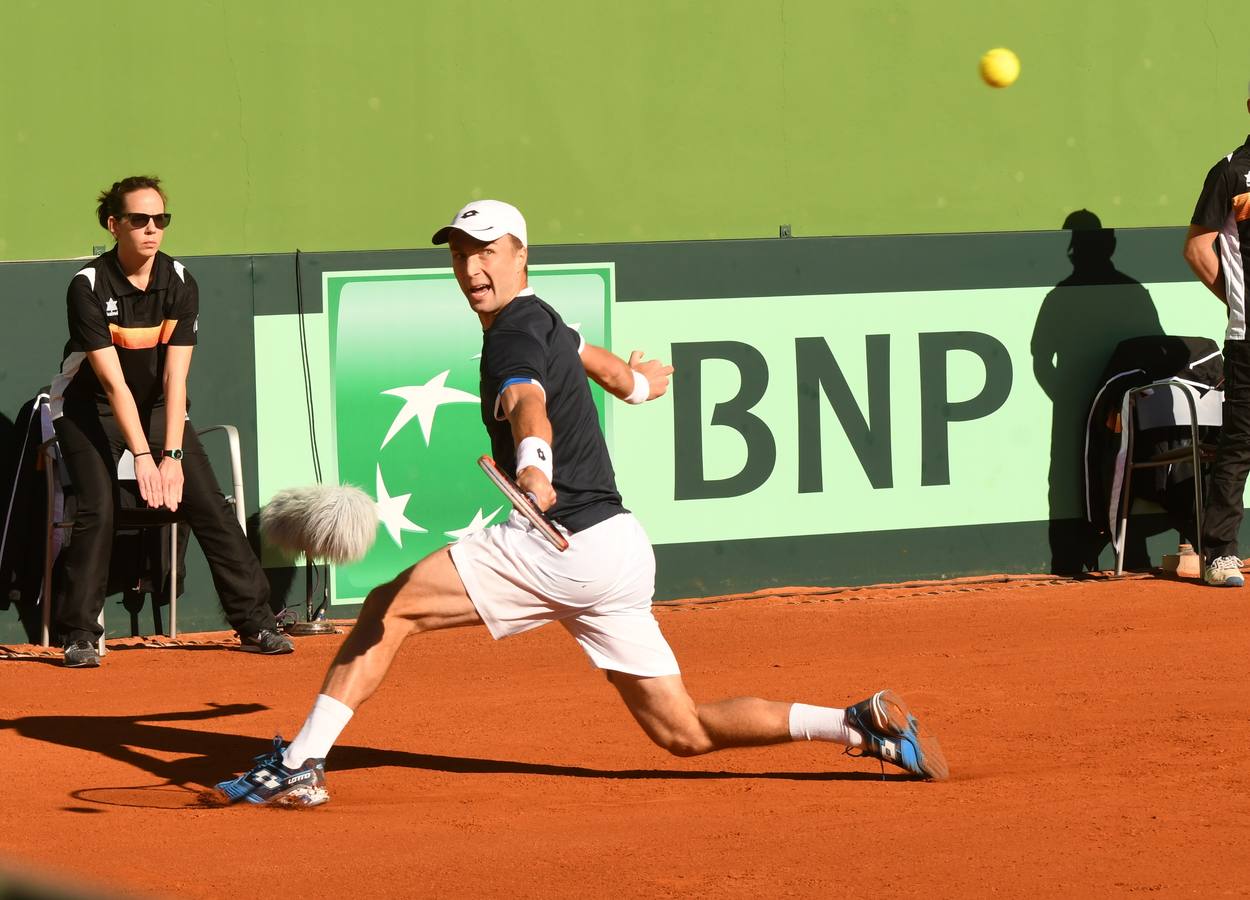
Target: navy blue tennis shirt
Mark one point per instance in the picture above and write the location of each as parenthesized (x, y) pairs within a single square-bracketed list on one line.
[(529, 342)]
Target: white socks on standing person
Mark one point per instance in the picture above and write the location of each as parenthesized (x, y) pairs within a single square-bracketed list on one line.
[(822, 723), (321, 729)]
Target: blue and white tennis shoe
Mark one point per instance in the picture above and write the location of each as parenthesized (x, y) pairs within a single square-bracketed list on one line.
[(892, 734), (271, 783)]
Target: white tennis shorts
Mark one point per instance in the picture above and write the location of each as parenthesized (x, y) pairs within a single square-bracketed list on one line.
[(600, 589)]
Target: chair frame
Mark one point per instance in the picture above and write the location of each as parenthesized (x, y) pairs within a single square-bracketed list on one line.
[(50, 451), (1192, 454)]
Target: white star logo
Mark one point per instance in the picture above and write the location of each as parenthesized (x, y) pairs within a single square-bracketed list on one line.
[(422, 401), (391, 512), (479, 523), (1248, 179)]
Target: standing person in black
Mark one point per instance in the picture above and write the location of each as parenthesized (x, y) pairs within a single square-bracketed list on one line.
[(1222, 220), (133, 319), (544, 429)]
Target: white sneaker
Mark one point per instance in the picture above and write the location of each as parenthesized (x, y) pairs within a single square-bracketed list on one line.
[(1224, 571)]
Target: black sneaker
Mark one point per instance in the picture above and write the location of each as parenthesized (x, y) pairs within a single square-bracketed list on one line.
[(271, 783), (268, 642), (81, 655)]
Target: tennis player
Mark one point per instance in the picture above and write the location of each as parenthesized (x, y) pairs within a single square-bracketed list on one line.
[(544, 429)]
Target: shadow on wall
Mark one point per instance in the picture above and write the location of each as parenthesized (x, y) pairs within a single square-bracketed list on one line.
[(1079, 325)]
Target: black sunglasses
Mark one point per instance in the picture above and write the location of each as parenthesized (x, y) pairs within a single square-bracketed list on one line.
[(140, 220)]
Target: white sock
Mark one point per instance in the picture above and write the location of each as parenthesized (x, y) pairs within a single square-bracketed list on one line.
[(822, 723), (321, 729)]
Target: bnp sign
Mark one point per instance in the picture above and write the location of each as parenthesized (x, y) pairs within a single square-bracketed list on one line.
[(821, 388), (816, 415)]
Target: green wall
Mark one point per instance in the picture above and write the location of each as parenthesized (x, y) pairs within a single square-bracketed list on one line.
[(324, 126)]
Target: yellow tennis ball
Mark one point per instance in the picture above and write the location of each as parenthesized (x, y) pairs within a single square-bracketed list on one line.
[(1000, 67)]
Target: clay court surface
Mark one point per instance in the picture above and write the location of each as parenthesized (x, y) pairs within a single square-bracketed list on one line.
[(1097, 734)]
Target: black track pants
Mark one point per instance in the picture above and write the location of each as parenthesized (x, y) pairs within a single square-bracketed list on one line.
[(91, 446), (1222, 519)]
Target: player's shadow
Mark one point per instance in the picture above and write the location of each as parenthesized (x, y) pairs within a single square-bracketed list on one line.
[(206, 757), (368, 758), (1081, 321)]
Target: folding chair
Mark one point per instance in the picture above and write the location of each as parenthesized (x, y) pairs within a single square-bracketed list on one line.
[(1165, 403), (128, 518)]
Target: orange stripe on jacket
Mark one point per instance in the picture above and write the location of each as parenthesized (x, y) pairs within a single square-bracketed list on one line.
[(143, 338), (1241, 207)]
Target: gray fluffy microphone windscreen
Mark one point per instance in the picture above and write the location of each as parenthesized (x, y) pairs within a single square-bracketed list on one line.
[(331, 524)]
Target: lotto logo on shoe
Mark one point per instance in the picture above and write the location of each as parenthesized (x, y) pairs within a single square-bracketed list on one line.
[(405, 352), (266, 779)]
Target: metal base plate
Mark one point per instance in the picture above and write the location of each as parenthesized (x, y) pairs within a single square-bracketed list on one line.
[(304, 629)]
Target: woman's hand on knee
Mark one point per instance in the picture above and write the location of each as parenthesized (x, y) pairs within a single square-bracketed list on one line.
[(151, 484), (171, 482)]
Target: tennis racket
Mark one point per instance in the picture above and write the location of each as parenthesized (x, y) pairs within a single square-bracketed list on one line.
[(523, 503)]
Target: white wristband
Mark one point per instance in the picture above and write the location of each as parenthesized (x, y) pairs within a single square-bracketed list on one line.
[(642, 389), (534, 451)]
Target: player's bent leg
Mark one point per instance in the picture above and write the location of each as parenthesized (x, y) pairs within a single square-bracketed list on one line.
[(672, 719), (426, 597)]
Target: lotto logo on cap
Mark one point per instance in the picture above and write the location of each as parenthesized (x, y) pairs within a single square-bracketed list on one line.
[(486, 220)]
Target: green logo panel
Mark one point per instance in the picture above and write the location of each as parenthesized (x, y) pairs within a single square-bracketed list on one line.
[(404, 358)]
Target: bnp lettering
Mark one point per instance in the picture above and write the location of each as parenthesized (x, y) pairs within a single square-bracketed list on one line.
[(820, 381)]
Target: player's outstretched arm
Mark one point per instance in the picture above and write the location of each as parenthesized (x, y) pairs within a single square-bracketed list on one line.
[(634, 382)]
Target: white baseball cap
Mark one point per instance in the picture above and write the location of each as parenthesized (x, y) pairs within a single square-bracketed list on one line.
[(486, 220)]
